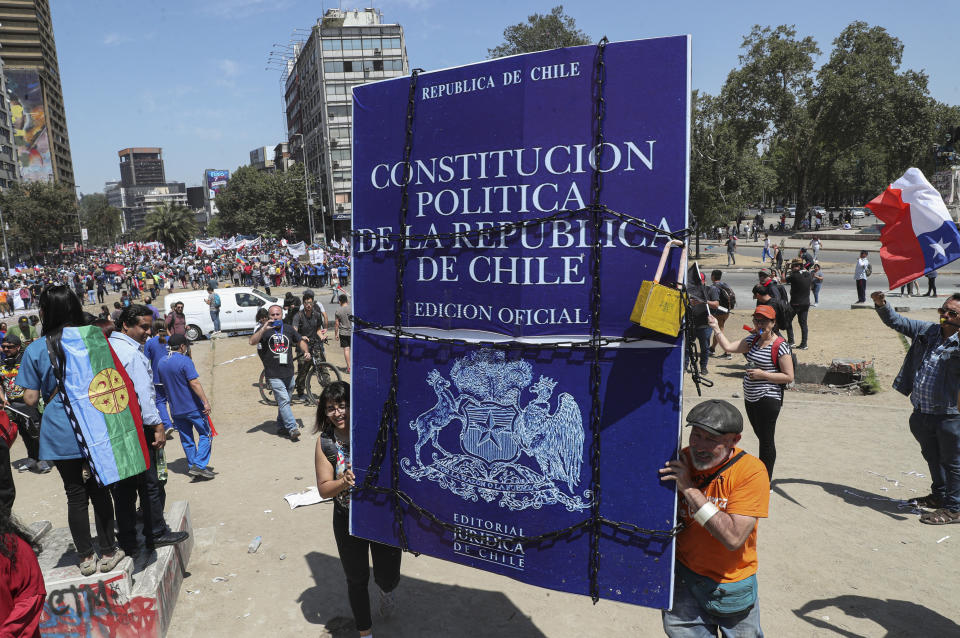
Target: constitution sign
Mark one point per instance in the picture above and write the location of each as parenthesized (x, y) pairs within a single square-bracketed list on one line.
[(505, 213)]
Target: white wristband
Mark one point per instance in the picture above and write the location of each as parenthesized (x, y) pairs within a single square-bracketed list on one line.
[(705, 513)]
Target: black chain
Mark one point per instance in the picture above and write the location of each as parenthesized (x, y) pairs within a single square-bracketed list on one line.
[(503, 227), (692, 347), (496, 345), (389, 422), (600, 112)]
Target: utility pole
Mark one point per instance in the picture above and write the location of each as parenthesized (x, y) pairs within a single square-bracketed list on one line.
[(306, 185), (6, 253)]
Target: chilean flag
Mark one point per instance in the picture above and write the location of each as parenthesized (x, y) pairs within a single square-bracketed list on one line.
[(918, 234)]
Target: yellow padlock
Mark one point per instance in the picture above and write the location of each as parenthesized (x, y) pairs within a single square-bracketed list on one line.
[(659, 307)]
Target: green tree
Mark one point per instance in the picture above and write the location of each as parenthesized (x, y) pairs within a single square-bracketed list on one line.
[(725, 175), (41, 215), (770, 99), (171, 225), (258, 202), (101, 220), (541, 31), (838, 134)]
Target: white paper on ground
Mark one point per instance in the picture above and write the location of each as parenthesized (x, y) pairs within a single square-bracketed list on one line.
[(309, 496)]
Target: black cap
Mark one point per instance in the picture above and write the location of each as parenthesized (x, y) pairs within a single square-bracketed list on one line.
[(175, 341), (717, 417), (24, 320), (12, 338)]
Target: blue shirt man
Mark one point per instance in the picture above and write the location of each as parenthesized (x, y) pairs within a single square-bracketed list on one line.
[(188, 404)]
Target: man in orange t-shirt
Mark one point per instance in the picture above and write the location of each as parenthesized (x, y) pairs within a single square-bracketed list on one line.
[(723, 492)]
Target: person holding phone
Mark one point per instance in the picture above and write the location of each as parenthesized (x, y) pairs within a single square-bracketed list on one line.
[(276, 342)]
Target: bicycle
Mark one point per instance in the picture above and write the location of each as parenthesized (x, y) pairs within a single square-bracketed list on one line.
[(322, 374)]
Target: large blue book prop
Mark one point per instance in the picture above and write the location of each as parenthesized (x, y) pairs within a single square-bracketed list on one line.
[(505, 412)]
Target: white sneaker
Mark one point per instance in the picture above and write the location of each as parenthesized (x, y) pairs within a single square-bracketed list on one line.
[(388, 602)]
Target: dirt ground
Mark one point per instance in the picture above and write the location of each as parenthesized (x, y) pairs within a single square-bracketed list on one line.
[(840, 555)]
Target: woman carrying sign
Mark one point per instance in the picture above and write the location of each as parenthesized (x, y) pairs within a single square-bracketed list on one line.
[(335, 479), (769, 369)]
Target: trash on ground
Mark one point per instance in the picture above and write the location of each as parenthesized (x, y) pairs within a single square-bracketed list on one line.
[(308, 496), (254, 544)]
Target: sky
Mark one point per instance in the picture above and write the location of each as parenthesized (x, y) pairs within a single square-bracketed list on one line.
[(191, 76)]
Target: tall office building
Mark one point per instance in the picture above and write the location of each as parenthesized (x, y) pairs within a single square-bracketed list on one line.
[(32, 75), (9, 172), (143, 185), (141, 167), (345, 48)]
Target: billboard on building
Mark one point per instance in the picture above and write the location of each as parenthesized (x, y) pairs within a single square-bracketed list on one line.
[(30, 133), (216, 181)]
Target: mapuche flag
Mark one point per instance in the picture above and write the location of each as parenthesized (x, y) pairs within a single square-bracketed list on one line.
[(918, 234), (101, 404)]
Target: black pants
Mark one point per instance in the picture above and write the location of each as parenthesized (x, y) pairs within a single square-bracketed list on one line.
[(8, 491), (79, 492), (932, 286), (801, 316), (32, 443), (763, 418), (356, 567), (861, 290), (153, 498)]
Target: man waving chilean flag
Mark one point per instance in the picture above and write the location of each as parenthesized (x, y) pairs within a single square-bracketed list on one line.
[(918, 234)]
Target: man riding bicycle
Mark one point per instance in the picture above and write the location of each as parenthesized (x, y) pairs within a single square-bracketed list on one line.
[(311, 323)]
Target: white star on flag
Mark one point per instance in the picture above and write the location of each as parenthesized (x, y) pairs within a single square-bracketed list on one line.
[(940, 247)]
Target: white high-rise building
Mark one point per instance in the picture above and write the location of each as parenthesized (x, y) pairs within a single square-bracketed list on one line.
[(345, 48)]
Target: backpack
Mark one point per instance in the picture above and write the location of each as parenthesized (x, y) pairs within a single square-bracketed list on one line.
[(216, 301), (868, 270), (728, 299), (775, 358), (784, 312)]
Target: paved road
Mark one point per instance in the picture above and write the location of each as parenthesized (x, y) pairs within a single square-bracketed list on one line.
[(839, 291)]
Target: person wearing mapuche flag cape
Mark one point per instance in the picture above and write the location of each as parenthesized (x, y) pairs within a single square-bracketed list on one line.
[(81, 448)]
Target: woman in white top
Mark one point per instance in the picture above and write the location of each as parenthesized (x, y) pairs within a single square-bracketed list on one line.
[(769, 368)]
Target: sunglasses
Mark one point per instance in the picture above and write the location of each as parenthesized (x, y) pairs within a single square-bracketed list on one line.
[(953, 314), (762, 320)]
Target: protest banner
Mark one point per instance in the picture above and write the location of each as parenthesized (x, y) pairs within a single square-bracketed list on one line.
[(532, 216)]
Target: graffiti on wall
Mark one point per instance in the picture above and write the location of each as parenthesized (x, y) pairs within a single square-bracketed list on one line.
[(97, 610)]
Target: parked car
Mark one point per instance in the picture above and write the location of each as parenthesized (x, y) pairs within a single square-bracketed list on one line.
[(858, 212), (238, 309), (791, 211)]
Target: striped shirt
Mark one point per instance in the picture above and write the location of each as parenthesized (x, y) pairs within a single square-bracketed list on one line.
[(760, 357)]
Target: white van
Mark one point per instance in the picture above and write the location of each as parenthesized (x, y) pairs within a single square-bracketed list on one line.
[(238, 309)]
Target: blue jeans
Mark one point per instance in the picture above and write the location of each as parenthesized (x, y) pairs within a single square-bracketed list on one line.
[(939, 439), (197, 452), (161, 401), (282, 389), (215, 317), (816, 292), (703, 339), (688, 619)]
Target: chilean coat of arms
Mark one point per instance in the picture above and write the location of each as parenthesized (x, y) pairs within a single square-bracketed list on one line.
[(500, 441)]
